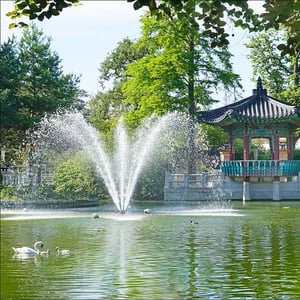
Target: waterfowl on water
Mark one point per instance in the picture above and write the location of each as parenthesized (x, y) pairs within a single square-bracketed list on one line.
[(28, 250), (62, 252), (193, 222)]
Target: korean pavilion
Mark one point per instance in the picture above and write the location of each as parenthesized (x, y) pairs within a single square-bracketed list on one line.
[(259, 117)]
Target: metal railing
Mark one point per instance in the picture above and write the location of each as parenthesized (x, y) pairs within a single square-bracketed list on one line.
[(260, 168)]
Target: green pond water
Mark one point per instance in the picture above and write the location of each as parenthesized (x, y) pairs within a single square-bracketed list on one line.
[(178, 251)]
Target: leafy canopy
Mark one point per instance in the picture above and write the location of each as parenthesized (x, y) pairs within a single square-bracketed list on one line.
[(179, 73), (280, 74), (212, 15)]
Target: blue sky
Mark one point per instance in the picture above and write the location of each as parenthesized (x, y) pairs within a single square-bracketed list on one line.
[(84, 35)]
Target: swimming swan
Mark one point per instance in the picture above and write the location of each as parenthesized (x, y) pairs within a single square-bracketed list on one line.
[(27, 250), (62, 252)]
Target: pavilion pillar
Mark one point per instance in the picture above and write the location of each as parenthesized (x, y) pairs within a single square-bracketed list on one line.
[(276, 147), (290, 145), (246, 147), (276, 178), (246, 181), (231, 148)]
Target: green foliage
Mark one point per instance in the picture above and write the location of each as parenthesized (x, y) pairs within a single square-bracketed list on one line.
[(38, 9), (151, 184), (10, 80), (32, 84), (291, 95), (296, 154), (215, 135), (267, 61), (114, 65), (261, 153), (46, 87), (255, 148), (74, 179), (280, 74), (104, 110), (171, 67), (284, 14), (8, 193), (212, 15), (238, 149), (178, 74)]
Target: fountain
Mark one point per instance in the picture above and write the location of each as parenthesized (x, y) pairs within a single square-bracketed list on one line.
[(121, 168), (158, 141)]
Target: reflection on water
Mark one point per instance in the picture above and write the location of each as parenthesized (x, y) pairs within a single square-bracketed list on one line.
[(243, 252)]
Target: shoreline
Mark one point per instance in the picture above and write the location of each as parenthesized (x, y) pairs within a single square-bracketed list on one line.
[(15, 204)]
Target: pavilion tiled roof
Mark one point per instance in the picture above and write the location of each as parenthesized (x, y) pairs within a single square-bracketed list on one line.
[(257, 108)]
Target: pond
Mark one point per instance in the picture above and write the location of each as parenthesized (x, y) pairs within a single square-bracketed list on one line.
[(177, 251)]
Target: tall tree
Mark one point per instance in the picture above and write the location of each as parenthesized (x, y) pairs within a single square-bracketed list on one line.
[(107, 106), (32, 84), (45, 87), (11, 70), (267, 61), (280, 74), (179, 74)]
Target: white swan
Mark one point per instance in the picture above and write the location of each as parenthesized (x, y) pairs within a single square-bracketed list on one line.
[(62, 252), (29, 251)]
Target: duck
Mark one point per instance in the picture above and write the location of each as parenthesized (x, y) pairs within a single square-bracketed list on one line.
[(29, 251), (62, 252), (95, 216), (194, 222)]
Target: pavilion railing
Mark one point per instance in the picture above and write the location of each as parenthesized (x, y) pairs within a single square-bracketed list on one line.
[(236, 168)]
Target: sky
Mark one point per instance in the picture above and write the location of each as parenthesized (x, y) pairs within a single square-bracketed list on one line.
[(84, 35)]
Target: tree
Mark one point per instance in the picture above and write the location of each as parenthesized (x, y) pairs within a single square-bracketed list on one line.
[(213, 15), (179, 74), (32, 85), (45, 87), (106, 107), (280, 74), (267, 61), (11, 71), (170, 68)]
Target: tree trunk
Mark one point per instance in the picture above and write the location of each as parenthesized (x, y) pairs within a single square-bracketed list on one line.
[(192, 113)]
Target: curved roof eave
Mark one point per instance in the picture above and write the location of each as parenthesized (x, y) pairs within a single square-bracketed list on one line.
[(257, 108)]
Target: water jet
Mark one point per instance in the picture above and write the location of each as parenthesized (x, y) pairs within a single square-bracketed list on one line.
[(119, 167)]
